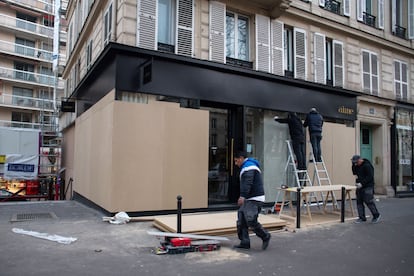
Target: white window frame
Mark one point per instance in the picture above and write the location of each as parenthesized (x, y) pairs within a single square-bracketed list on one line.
[(236, 38), (89, 54), (399, 80), (319, 58), (370, 72), (338, 67), (107, 24), (410, 19)]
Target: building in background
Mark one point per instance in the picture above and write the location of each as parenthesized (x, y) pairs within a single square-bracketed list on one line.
[(32, 58), (165, 91)]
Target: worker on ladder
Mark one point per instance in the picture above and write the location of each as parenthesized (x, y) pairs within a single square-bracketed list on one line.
[(314, 122), (297, 135)]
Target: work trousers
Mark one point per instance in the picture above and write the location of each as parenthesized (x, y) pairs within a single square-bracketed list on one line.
[(299, 150), (366, 195), (315, 139), (247, 218)]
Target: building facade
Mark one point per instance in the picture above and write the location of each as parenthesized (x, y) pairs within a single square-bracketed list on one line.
[(165, 91), (30, 87)]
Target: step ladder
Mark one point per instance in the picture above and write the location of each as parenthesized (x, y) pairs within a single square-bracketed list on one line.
[(320, 174), (301, 176)]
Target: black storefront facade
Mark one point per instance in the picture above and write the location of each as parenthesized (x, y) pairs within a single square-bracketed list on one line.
[(239, 98)]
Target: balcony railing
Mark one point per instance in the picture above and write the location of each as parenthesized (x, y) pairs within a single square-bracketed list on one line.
[(26, 26), (26, 102), (43, 5), (28, 125), (22, 50), (400, 32), (27, 77), (369, 19), (333, 6)]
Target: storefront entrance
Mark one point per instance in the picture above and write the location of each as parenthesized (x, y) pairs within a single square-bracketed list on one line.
[(366, 142), (225, 137)]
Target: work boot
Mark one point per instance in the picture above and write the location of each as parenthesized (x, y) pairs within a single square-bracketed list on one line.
[(242, 246), (266, 241)]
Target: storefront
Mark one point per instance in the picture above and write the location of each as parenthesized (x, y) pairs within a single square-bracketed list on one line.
[(240, 105), (403, 136)]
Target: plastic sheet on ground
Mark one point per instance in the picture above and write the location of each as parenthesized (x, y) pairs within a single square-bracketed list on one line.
[(46, 236)]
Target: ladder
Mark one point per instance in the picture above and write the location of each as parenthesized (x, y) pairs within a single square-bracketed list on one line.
[(301, 176), (320, 175)]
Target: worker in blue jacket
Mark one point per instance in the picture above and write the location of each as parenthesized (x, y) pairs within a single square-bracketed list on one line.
[(250, 201), (314, 122)]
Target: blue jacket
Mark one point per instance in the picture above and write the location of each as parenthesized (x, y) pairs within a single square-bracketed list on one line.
[(314, 121), (251, 183)]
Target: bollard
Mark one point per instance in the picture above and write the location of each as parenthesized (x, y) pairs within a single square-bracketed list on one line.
[(298, 203), (179, 213), (343, 205)]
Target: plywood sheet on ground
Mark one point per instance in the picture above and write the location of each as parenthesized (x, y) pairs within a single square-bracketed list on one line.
[(218, 223)]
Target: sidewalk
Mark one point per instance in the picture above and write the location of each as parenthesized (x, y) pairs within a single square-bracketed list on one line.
[(105, 249)]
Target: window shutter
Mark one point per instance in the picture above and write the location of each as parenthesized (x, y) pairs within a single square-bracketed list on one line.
[(277, 47), (146, 24), (322, 3), (338, 63), (262, 43), (404, 81), (319, 58), (184, 27), (393, 15), (381, 14), (217, 31), (374, 74), (366, 75), (360, 10), (411, 19), (299, 45), (347, 7)]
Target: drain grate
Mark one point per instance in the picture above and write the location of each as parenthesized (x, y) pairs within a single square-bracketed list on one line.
[(32, 216)]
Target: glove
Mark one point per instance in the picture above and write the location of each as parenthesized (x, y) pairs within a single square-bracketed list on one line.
[(358, 185)]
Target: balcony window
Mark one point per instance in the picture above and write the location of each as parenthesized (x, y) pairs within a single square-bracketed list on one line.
[(25, 47), (237, 36), (26, 21), (24, 71), (166, 23), (333, 6), (21, 119)]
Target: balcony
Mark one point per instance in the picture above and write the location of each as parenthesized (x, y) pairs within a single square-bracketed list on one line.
[(369, 19), (333, 6), (400, 32), (26, 26), (29, 125), (275, 7), (25, 51), (26, 102), (29, 77), (42, 5)]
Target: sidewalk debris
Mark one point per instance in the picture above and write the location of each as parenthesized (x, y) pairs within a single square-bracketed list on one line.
[(46, 236)]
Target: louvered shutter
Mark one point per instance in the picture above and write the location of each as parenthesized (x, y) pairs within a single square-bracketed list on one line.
[(360, 10), (299, 46), (381, 14), (217, 31), (338, 63), (319, 58), (374, 74), (184, 28), (404, 81), (411, 19), (262, 43), (146, 24), (366, 75), (347, 7), (277, 56)]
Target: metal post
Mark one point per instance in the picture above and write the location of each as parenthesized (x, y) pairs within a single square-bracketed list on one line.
[(179, 213), (343, 205), (298, 203)]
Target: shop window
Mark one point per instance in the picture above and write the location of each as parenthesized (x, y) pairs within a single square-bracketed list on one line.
[(370, 80)]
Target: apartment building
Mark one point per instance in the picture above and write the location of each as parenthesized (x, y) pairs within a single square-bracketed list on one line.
[(165, 91), (32, 58)]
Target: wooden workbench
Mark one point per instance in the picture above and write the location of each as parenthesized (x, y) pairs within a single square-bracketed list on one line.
[(310, 191)]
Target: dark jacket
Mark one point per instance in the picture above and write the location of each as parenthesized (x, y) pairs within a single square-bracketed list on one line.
[(314, 121), (296, 131), (251, 183), (364, 173)]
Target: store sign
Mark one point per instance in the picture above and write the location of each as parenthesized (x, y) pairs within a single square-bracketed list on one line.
[(2, 159), (18, 166)]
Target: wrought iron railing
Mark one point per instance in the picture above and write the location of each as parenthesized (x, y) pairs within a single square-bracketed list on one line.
[(369, 19), (400, 31), (333, 6)]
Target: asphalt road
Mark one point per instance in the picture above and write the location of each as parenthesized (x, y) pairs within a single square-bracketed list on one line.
[(386, 248)]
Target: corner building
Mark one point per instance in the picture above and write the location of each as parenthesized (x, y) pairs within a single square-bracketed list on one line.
[(167, 90)]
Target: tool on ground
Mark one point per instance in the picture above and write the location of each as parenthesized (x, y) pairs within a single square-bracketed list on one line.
[(177, 243)]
